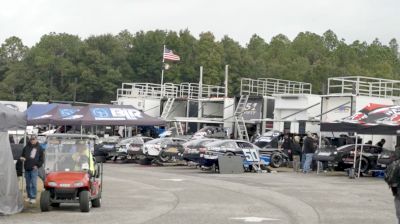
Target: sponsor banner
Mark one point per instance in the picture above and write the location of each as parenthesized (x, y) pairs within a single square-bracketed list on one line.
[(102, 113), (374, 114), (253, 109), (66, 112)]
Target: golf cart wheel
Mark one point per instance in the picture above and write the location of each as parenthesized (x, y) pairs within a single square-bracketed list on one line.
[(276, 160), (364, 165), (96, 203), (163, 157), (45, 201), (55, 205), (84, 202)]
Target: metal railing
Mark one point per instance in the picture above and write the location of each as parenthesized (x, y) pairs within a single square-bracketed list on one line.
[(170, 90), (270, 86), (364, 86)]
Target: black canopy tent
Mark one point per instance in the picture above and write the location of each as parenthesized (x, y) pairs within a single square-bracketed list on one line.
[(374, 119), (10, 196)]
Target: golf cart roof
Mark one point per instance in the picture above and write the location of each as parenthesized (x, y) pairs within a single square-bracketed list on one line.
[(69, 136)]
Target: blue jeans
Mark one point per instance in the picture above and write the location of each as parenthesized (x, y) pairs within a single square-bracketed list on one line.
[(307, 162), (31, 183), (303, 159)]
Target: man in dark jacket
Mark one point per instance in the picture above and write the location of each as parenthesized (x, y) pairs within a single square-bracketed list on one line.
[(394, 174), (33, 158), (308, 150), (287, 145), (381, 143), (296, 152)]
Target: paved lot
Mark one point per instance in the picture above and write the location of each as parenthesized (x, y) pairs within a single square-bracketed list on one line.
[(141, 194)]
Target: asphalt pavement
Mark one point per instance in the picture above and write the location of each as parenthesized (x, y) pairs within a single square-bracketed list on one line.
[(148, 194)]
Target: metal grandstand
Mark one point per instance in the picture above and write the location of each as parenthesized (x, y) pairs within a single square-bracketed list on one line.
[(364, 86), (170, 90)]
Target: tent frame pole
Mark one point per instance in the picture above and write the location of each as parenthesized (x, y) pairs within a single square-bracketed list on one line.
[(355, 154), (319, 147), (359, 165), (25, 134)]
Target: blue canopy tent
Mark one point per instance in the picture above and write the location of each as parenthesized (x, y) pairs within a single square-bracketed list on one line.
[(118, 115), (50, 114), (36, 110)]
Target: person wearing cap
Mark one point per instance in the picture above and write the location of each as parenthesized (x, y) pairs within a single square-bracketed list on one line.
[(33, 158), (381, 143)]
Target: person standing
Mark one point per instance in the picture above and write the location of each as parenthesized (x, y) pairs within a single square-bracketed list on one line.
[(381, 143), (287, 146), (296, 152), (309, 149), (33, 156), (392, 178)]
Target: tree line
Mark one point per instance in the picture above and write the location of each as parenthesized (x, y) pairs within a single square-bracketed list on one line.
[(61, 64)]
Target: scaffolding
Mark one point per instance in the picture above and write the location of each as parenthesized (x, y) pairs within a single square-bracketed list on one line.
[(270, 86), (170, 90), (364, 86)]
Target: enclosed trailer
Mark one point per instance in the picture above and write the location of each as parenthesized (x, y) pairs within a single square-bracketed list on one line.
[(272, 102)]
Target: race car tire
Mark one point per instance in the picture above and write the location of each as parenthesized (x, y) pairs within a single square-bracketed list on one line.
[(276, 160), (364, 165)]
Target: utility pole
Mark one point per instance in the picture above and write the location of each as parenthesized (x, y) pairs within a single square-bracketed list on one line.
[(199, 102), (162, 72), (226, 79), (75, 88)]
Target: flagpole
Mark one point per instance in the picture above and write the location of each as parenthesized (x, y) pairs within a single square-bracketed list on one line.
[(162, 71)]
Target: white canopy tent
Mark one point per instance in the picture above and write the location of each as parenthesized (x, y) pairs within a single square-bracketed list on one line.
[(10, 196)]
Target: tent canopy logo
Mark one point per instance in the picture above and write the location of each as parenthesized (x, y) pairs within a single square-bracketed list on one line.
[(116, 113)]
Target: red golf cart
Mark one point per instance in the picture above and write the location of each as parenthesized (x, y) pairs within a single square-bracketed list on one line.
[(72, 173)]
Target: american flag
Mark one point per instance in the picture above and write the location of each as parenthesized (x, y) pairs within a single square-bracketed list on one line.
[(169, 55)]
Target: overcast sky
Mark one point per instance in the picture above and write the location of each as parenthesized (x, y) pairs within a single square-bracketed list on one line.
[(240, 19)]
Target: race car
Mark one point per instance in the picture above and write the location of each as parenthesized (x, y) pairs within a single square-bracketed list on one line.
[(343, 157)]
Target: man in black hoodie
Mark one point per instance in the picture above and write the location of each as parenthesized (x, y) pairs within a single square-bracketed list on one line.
[(308, 151), (33, 156)]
